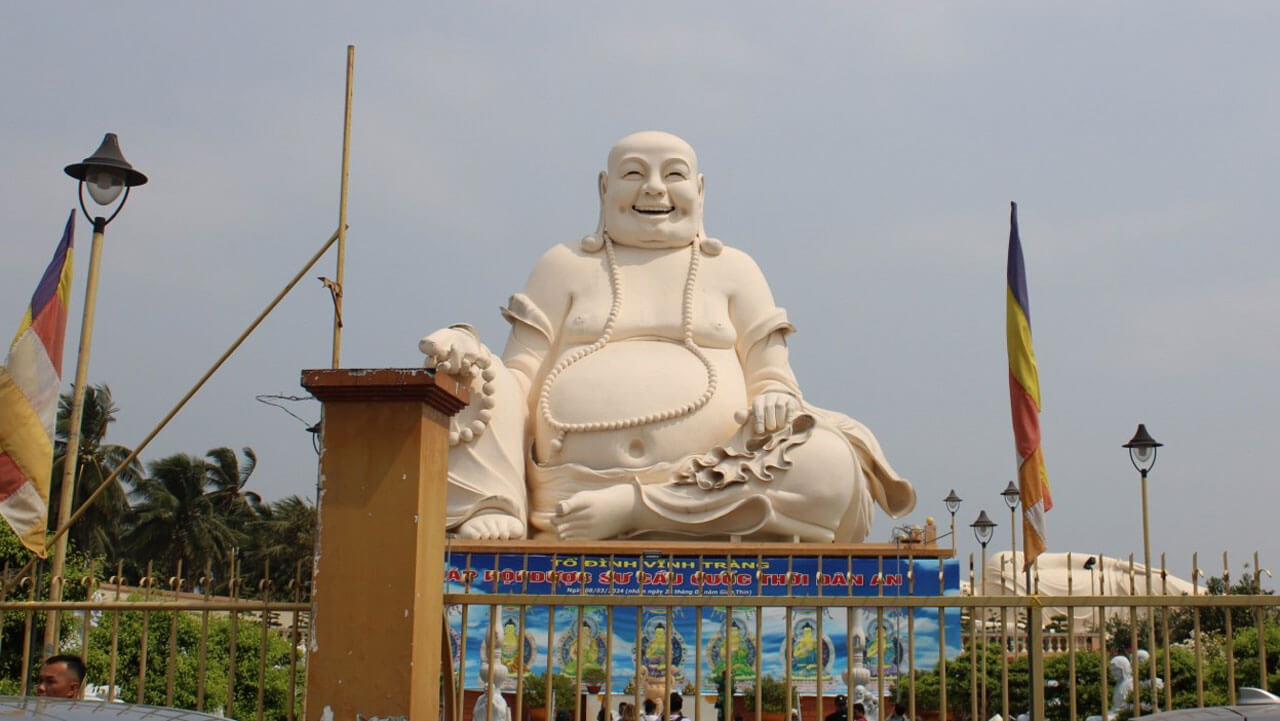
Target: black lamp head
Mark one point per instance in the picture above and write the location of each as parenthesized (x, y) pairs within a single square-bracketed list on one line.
[(952, 501), (1011, 495), (1142, 449), (107, 157), (106, 172), (983, 528)]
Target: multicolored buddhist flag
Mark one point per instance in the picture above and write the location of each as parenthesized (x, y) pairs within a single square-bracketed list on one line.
[(29, 384), (1024, 397)]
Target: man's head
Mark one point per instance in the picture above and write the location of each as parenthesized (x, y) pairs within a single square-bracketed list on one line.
[(841, 702), (677, 702), (61, 677), (859, 711), (650, 706), (651, 194)]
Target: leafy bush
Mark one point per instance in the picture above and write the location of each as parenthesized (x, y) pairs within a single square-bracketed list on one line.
[(185, 662), (563, 690), (773, 695)]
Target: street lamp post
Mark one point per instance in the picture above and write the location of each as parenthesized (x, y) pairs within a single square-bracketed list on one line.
[(953, 504), (104, 174), (1142, 453), (983, 529), (1011, 496)]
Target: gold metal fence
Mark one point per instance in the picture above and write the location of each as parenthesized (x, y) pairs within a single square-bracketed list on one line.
[(168, 640), (1008, 663)]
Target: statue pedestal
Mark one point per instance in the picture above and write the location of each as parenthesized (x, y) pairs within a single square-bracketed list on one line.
[(376, 599)]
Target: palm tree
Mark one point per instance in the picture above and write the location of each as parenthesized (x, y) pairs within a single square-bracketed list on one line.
[(176, 516), (283, 538), (227, 478), (97, 532)]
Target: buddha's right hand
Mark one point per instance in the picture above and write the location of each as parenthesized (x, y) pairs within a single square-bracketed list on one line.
[(454, 350)]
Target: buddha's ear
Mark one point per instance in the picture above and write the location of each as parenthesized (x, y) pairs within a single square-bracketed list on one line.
[(603, 182)]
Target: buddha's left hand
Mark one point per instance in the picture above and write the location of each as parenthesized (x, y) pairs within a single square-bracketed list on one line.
[(773, 410)]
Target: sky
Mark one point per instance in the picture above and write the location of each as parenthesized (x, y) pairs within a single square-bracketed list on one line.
[(864, 154)]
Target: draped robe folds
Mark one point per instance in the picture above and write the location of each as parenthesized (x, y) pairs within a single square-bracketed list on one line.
[(725, 486)]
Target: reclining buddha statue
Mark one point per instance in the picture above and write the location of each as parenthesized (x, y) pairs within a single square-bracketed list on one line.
[(645, 390)]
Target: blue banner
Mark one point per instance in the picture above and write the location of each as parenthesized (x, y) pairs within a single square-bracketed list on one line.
[(636, 638)]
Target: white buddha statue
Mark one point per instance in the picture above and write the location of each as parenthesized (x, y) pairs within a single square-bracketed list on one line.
[(645, 389)]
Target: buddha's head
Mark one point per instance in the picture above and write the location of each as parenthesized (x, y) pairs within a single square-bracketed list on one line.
[(1120, 668), (659, 635), (651, 193), (806, 632)]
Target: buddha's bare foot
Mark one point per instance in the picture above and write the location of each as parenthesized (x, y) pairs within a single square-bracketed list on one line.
[(598, 514), (491, 526)]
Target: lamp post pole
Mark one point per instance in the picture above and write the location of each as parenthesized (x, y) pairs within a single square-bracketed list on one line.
[(983, 529), (952, 502), (105, 174), (1011, 496), (1142, 453)]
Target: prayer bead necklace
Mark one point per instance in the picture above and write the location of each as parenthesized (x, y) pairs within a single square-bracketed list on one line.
[(481, 366), (615, 281)]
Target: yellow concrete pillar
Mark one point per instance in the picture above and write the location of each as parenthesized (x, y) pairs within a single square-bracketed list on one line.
[(376, 595)]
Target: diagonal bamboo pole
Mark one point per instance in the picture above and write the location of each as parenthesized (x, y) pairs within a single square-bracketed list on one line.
[(342, 210)]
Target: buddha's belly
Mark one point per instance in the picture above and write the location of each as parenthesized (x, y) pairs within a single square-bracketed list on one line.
[(641, 378)]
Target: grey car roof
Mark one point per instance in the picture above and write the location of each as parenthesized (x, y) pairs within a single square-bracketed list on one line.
[(58, 709), (1245, 712)]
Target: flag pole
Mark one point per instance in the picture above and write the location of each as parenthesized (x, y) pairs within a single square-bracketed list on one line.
[(1033, 482), (71, 453), (342, 211)]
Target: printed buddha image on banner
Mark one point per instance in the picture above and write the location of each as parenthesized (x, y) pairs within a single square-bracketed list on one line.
[(638, 638)]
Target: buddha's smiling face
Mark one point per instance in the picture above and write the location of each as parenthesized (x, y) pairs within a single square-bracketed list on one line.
[(651, 195)]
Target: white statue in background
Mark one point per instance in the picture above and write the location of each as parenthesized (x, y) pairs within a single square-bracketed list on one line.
[(645, 389), (868, 700), (1121, 669), (491, 705), (1122, 676)]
